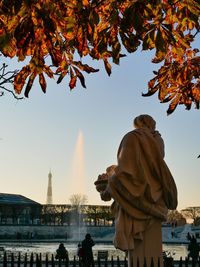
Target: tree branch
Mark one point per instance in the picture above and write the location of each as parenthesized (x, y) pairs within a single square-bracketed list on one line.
[(7, 78)]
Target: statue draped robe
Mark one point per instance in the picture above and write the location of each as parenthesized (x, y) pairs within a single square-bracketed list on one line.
[(143, 190)]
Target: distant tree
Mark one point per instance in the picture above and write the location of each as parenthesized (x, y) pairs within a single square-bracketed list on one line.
[(62, 211), (49, 214), (77, 201), (56, 36), (99, 215), (92, 214), (191, 213), (175, 216), (197, 221), (106, 215)]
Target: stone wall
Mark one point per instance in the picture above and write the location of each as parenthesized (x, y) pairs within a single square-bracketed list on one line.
[(72, 233)]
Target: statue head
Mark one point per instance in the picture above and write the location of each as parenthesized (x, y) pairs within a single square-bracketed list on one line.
[(144, 121)]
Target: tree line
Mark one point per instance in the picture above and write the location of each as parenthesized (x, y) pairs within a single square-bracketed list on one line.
[(76, 215)]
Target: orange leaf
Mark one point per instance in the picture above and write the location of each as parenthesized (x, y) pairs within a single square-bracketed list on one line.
[(20, 79), (48, 71), (72, 82), (173, 104)]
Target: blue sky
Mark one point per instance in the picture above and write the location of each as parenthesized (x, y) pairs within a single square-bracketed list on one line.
[(41, 133)]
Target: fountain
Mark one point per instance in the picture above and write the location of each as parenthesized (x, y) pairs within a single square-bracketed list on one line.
[(78, 174), (77, 187)]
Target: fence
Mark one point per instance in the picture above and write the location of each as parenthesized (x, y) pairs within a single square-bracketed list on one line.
[(36, 260)]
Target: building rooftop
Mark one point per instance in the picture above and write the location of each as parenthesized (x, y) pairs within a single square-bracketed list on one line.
[(14, 199)]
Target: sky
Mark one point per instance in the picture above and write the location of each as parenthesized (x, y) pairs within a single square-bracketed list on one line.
[(75, 134)]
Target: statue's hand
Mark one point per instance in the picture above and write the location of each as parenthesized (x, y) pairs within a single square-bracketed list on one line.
[(101, 185), (105, 195), (101, 182)]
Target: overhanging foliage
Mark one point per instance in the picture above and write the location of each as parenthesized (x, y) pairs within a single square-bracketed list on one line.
[(100, 29)]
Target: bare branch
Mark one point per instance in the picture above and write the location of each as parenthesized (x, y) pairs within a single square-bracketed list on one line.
[(7, 78), (10, 91)]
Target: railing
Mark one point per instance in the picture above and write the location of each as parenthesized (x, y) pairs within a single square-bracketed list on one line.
[(37, 260)]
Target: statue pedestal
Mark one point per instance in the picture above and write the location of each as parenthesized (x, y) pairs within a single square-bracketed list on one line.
[(149, 248)]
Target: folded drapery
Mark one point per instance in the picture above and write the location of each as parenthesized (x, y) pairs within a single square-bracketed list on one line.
[(142, 186)]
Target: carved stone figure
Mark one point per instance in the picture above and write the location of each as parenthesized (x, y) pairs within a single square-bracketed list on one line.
[(143, 190)]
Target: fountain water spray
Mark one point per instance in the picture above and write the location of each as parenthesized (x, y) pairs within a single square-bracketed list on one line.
[(78, 177), (78, 183)]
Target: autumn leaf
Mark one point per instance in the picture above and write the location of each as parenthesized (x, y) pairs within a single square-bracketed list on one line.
[(61, 77), (169, 98), (160, 56), (20, 79), (116, 52), (29, 85), (80, 76), (42, 82), (73, 79), (174, 103), (152, 91), (8, 45), (149, 40), (163, 92), (107, 66), (130, 41), (85, 67), (48, 71), (160, 42), (72, 82)]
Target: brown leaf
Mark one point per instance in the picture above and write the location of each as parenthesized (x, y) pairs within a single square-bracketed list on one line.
[(42, 82), (80, 76), (85, 67), (151, 91), (29, 84), (174, 103), (107, 66), (48, 71), (72, 82), (61, 77), (168, 98), (20, 79), (152, 82)]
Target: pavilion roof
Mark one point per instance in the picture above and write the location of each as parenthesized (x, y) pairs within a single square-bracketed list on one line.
[(14, 199)]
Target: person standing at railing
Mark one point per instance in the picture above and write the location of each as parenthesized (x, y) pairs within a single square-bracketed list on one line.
[(193, 249), (87, 257), (62, 253), (80, 254)]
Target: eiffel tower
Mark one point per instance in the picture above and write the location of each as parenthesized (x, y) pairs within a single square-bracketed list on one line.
[(49, 189)]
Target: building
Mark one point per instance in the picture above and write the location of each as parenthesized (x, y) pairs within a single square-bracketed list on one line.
[(17, 209)]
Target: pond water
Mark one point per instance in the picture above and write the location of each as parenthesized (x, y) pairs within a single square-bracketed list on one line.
[(176, 250)]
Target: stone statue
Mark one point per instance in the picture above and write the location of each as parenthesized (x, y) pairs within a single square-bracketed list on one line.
[(143, 190)]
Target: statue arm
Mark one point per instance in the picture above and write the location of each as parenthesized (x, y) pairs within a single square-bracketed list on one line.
[(105, 195)]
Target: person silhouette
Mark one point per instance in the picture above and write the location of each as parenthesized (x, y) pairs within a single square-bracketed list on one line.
[(87, 258), (193, 249), (62, 253)]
